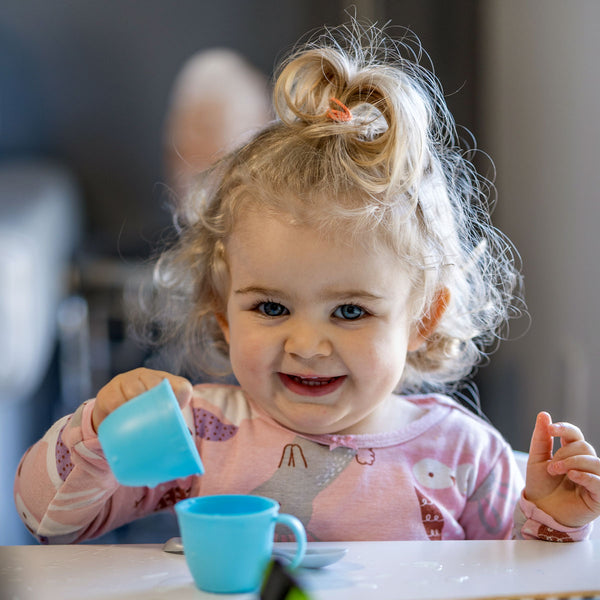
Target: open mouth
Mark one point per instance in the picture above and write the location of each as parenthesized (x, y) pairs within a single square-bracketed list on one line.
[(311, 386)]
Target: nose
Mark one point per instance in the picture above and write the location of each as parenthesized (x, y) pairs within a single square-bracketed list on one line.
[(307, 340)]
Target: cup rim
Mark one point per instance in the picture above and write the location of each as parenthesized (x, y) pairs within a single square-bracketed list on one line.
[(186, 506)]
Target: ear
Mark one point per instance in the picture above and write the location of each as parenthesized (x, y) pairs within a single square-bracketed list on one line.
[(223, 324), (430, 319)]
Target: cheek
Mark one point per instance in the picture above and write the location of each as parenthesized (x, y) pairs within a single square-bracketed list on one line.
[(384, 354), (248, 348)]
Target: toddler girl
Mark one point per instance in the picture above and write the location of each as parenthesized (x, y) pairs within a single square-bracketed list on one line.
[(343, 264)]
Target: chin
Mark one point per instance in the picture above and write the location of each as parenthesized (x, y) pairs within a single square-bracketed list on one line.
[(312, 418)]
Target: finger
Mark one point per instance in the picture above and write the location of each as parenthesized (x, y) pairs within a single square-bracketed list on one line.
[(584, 463), (116, 392), (138, 381), (580, 447), (149, 378), (590, 482), (540, 448), (567, 432)]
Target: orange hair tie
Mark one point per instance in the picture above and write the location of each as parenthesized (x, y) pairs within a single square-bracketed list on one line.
[(339, 115)]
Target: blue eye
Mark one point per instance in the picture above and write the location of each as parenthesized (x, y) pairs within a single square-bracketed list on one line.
[(349, 312), (272, 309)]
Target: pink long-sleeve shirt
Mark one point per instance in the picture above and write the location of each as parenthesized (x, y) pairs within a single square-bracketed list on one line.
[(448, 475)]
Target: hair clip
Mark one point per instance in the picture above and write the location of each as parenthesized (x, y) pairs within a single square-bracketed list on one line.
[(339, 115)]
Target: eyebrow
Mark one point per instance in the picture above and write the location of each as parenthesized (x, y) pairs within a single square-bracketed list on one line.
[(259, 291), (327, 294)]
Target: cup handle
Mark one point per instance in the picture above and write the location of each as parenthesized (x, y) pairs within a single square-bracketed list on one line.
[(299, 532)]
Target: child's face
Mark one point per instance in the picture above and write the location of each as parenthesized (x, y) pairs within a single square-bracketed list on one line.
[(318, 330)]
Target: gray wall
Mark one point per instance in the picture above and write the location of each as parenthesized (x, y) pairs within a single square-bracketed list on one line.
[(541, 126)]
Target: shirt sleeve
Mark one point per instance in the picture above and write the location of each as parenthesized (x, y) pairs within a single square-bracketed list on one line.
[(65, 491), (532, 523)]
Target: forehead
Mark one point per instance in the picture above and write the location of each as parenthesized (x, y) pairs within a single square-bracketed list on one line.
[(277, 251), (290, 232), (346, 217)]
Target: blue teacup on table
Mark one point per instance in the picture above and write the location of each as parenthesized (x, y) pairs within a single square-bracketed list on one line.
[(146, 440), (228, 540)]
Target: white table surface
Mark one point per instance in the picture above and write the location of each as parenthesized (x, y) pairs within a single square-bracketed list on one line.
[(377, 570)]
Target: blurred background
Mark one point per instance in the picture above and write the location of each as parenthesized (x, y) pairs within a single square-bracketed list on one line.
[(86, 89)]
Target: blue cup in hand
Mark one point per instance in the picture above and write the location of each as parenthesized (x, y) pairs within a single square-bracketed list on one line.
[(228, 540), (146, 440)]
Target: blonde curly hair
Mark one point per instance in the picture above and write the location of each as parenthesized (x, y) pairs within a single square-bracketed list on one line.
[(392, 176)]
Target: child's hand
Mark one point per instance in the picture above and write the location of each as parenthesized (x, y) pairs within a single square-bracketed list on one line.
[(128, 385), (565, 485)]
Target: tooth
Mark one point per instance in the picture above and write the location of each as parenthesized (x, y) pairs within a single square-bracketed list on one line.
[(312, 382)]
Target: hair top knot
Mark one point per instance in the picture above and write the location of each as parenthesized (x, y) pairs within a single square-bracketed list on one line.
[(353, 94)]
